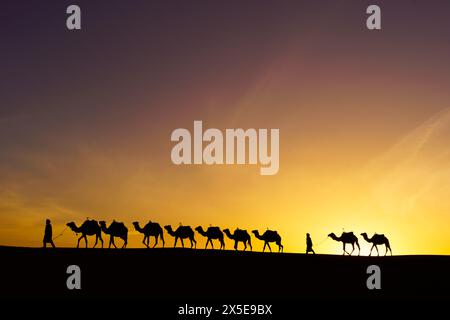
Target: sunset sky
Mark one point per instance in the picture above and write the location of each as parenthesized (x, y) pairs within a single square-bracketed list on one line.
[(364, 118)]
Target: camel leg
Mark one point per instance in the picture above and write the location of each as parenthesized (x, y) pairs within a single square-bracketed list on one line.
[(250, 244), (175, 244), (113, 243), (343, 245), (270, 249), (96, 240), (182, 242), (100, 237), (353, 248), (110, 242), (125, 242), (235, 245), (245, 245), (222, 244), (388, 247), (264, 248), (78, 244), (378, 252), (359, 249), (370, 253), (280, 247), (85, 240), (143, 241), (156, 241), (195, 243), (162, 239)]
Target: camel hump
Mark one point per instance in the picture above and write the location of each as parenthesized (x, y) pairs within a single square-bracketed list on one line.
[(118, 225), (90, 223), (272, 232)]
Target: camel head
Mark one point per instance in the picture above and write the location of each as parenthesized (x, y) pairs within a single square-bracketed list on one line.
[(72, 227), (103, 226), (137, 227), (199, 229), (170, 231), (332, 235), (228, 233), (257, 235), (364, 235)]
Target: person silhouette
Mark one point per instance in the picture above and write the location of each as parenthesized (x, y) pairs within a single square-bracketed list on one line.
[(309, 244), (48, 233)]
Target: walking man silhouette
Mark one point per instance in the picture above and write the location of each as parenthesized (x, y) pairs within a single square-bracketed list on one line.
[(48, 234), (309, 244)]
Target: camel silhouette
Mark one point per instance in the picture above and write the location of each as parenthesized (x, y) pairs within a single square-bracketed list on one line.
[(212, 233), (181, 233), (151, 229), (269, 236), (88, 228), (346, 237), (239, 236), (376, 240), (115, 229)]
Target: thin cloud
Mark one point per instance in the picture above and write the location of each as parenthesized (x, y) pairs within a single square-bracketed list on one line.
[(414, 169)]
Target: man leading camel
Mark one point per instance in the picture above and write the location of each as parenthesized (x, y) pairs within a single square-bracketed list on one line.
[(309, 244), (48, 234)]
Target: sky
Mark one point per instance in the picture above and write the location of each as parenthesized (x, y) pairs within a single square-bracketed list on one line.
[(86, 118)]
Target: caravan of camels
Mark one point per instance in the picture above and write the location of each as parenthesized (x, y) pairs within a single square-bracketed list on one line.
[(153, 229)]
